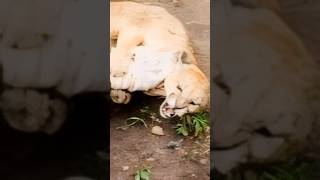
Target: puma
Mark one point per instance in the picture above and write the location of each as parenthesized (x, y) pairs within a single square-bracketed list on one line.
[(148, 40)]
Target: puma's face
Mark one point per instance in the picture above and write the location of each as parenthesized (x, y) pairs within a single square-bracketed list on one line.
[(187, 90), (144, 68)]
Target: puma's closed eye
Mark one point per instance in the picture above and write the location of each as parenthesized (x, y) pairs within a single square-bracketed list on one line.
[(193, 103)]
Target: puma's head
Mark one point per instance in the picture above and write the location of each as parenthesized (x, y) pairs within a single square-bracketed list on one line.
[(187, 90)]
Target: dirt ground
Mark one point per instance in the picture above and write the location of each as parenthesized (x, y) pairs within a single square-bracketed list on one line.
[(136, 147)]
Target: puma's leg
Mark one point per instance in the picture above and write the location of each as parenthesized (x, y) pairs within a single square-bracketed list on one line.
[(119, 63), (157, 91)]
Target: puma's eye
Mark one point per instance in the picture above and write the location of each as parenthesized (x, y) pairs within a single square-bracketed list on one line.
[(179, 88), (193, 103)]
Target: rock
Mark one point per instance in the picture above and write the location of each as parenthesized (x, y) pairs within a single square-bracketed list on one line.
[(157, 130), (150, 159), (204, 161), (174, 144), (159, 151), (125, 168)]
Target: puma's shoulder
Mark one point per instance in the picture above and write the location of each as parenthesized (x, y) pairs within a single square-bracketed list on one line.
[(155, 25)]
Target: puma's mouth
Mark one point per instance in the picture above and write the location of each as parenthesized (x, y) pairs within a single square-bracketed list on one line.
[(169, 112), (166, 111)]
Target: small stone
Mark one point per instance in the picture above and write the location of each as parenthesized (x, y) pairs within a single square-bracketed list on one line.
[(181, 152), (159, 151), (193, 175), (157, 130), (204, 161), (125, 168), (174, 144), (150, 159)]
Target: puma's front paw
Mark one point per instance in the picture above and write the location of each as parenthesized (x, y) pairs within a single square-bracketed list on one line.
[(120, 96)]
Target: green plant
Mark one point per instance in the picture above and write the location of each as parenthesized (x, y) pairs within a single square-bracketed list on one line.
[(143, 174), (131, 122), (288, 171), (196, 124)]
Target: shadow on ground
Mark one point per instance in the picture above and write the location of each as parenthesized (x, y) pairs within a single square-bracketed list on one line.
[(79, 148)]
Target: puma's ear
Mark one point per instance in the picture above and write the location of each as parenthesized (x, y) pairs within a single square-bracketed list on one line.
[(182, 56)]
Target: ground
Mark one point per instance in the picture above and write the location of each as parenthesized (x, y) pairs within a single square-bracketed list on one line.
[(136, 147)]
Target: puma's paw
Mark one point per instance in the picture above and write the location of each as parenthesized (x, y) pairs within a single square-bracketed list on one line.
[(28, 110), (120, 96)]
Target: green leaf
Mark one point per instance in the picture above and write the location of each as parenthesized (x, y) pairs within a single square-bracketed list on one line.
[(198, 128), (133, 120), (145, 175), (188, 119), (182, 130), (137, 176)]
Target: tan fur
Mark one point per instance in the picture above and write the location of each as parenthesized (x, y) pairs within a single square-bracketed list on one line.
[(133, 25), (187, 89)]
